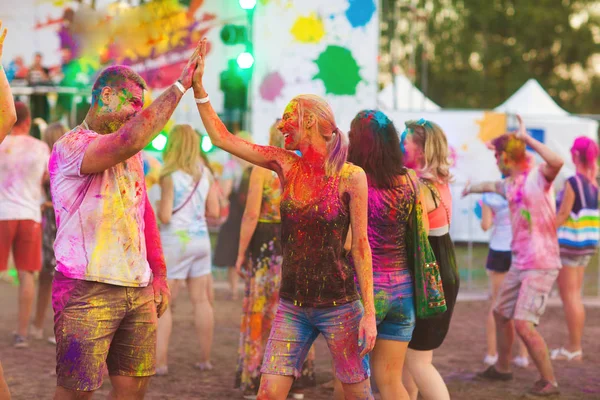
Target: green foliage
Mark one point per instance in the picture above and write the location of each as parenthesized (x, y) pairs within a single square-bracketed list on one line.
[(482, 51)]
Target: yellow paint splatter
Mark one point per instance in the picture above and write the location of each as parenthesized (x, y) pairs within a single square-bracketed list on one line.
[(308, 29), (491, 126)]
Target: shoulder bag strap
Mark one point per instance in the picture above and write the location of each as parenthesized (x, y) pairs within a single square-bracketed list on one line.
[(435, 193), (189, 197), (582, 194)]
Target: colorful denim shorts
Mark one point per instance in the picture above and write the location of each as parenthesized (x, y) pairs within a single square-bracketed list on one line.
[(394, 305), (295, 329)]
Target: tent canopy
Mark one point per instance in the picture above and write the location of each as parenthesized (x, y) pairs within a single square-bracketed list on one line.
[(531, 99), (408, 97)]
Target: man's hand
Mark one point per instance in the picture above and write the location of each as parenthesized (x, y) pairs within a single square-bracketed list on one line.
[(188, 71), (199, 72), (367, 333), (467, 189), (521, 132), (162, 294), (2, 37)]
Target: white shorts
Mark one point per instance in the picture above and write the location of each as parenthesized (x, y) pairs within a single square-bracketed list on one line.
[(186, 258)]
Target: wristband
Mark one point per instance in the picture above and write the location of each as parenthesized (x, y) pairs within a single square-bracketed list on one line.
[(179, 86), (202, 100)]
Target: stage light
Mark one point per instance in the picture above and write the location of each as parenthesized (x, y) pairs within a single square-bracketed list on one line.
[(206, 144), (248, 4), (159, 142), (245, 60)]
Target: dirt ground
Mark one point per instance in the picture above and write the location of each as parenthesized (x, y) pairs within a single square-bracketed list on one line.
[(28, 371)]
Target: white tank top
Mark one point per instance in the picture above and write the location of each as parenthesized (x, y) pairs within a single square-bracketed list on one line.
[(190, 220)]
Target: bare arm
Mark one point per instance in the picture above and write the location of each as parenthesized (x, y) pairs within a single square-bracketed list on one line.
[(167, 195), (252, 210), (361, 254), (484, 187), (487, 217), (8, 114), (553, 161), (565, 206), (106, 151), (213, 208), (269, 157)]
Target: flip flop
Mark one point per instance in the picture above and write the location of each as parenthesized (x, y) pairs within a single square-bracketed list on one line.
[(564, 354), (205, 366)]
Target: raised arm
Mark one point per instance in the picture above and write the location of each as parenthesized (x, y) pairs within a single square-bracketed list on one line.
[(108, 150), (361, 254), (251, 213), (553, 161), (269, 157), (484, 187), (8, 114)]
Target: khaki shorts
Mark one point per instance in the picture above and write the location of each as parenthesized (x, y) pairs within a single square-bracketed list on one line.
[(524, 294), (97, 323)]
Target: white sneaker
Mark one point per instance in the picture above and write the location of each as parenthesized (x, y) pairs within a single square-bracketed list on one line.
[(490, 360), (36, 333), (52, 340), (521, 362)]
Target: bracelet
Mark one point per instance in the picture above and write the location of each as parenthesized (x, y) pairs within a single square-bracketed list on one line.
[(202, 100), (179, 86)]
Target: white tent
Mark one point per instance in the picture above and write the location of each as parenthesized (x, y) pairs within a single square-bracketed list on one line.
[(408, 97), (531, 99)]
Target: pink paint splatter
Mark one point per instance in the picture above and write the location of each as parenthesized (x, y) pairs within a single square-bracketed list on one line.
[(271, 86)]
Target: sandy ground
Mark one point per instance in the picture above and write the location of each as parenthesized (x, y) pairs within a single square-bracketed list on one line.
[(28, 371)]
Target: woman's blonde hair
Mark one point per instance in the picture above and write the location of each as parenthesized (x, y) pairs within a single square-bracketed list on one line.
[(337, 144), (275, 136), (182, 152), (52, 133), (431, 138)]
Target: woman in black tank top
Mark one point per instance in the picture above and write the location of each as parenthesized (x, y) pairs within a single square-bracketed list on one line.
[(322, 197)]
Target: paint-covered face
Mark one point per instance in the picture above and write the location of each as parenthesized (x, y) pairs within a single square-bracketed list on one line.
[(413, 153), (502, 163), (122, 104), (289, 126)]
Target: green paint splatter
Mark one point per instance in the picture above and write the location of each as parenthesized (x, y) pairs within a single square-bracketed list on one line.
[(184, 237), (527, 216), (338, 70)]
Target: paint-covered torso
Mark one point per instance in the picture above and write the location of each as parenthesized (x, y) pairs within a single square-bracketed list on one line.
[(271, 199), (533, 214), (315, 222), (190, 219), (389, 210), (99, 217), (23, 162)]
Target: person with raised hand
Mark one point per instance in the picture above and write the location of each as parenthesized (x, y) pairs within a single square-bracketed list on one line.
[(110, 265), (322, 196)]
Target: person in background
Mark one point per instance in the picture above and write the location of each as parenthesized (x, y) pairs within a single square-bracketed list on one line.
[(234, 188), (426, 151), (188, 195), (8, 114), (8, 117), (495, 214), (535, 259), (23, 167), (259, 264), (578, 223), (39, 75), (50, 136), (17, 70)]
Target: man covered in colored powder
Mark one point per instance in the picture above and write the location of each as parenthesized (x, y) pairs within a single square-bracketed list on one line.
[(23, 166), (110, 282), (535, 254)]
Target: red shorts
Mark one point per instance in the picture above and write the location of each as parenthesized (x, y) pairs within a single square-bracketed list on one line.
[(24, 236)]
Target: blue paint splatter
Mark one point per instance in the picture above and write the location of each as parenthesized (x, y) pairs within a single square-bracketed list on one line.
[(360, 12)]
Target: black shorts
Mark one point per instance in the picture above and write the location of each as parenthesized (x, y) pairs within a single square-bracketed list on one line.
[(498, 261)]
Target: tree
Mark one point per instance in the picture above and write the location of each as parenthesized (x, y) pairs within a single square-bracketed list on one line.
[(480, 52)]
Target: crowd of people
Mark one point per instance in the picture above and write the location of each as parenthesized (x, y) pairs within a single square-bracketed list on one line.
[(343, 236)]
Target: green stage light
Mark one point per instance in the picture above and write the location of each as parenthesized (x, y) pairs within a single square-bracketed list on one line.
[(160, 142), (206, 144), (248, 4), (234, 34), (245, 60)]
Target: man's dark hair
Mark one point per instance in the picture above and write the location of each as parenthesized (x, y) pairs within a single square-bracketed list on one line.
[(115, 77), (23, 113)]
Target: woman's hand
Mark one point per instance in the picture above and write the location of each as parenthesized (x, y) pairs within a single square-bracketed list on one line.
[(199, 72), (239, 264), (2, 37), (192, 65), (367, 333)]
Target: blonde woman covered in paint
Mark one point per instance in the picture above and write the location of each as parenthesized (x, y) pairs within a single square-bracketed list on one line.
[(8, 114), (188, 196), (426, 150), (322, 197)]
